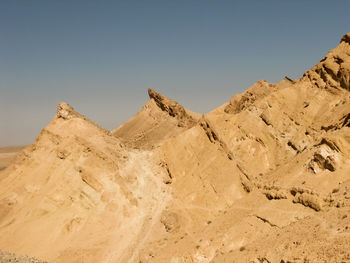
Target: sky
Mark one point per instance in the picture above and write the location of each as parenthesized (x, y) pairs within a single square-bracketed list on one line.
[(102, 56)]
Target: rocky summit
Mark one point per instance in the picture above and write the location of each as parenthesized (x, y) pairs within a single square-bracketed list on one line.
[(263, 178)]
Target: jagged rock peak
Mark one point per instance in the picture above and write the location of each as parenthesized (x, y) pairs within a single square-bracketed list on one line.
[(66, 111), (346, 38), (166, 104), (173, 108), (333, 71)]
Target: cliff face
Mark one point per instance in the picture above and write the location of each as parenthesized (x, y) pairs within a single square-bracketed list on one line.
[(263, 178)]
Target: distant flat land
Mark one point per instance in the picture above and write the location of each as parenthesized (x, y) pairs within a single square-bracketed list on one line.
[(7, 154)]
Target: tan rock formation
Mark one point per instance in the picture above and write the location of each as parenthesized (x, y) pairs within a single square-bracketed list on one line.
[(159, 119), (263, 178)]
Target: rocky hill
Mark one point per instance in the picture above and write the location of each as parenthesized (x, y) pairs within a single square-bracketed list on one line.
[(263, 178)]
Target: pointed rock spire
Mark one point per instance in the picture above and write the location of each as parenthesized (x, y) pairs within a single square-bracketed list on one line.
[(173, 108), (346, 38), (66, 111), (166, 104)]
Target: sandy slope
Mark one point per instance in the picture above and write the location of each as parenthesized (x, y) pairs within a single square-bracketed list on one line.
[(263, 178)]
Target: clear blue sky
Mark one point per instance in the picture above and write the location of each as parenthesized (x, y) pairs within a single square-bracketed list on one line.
[(101, 56)]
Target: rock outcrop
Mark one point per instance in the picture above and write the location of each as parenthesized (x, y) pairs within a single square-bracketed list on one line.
[(243, 101), (173, 108), (333, 71), (159, 119), (66, 112)]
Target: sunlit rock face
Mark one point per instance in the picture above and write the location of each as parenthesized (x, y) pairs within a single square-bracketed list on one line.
[(263, 178)]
